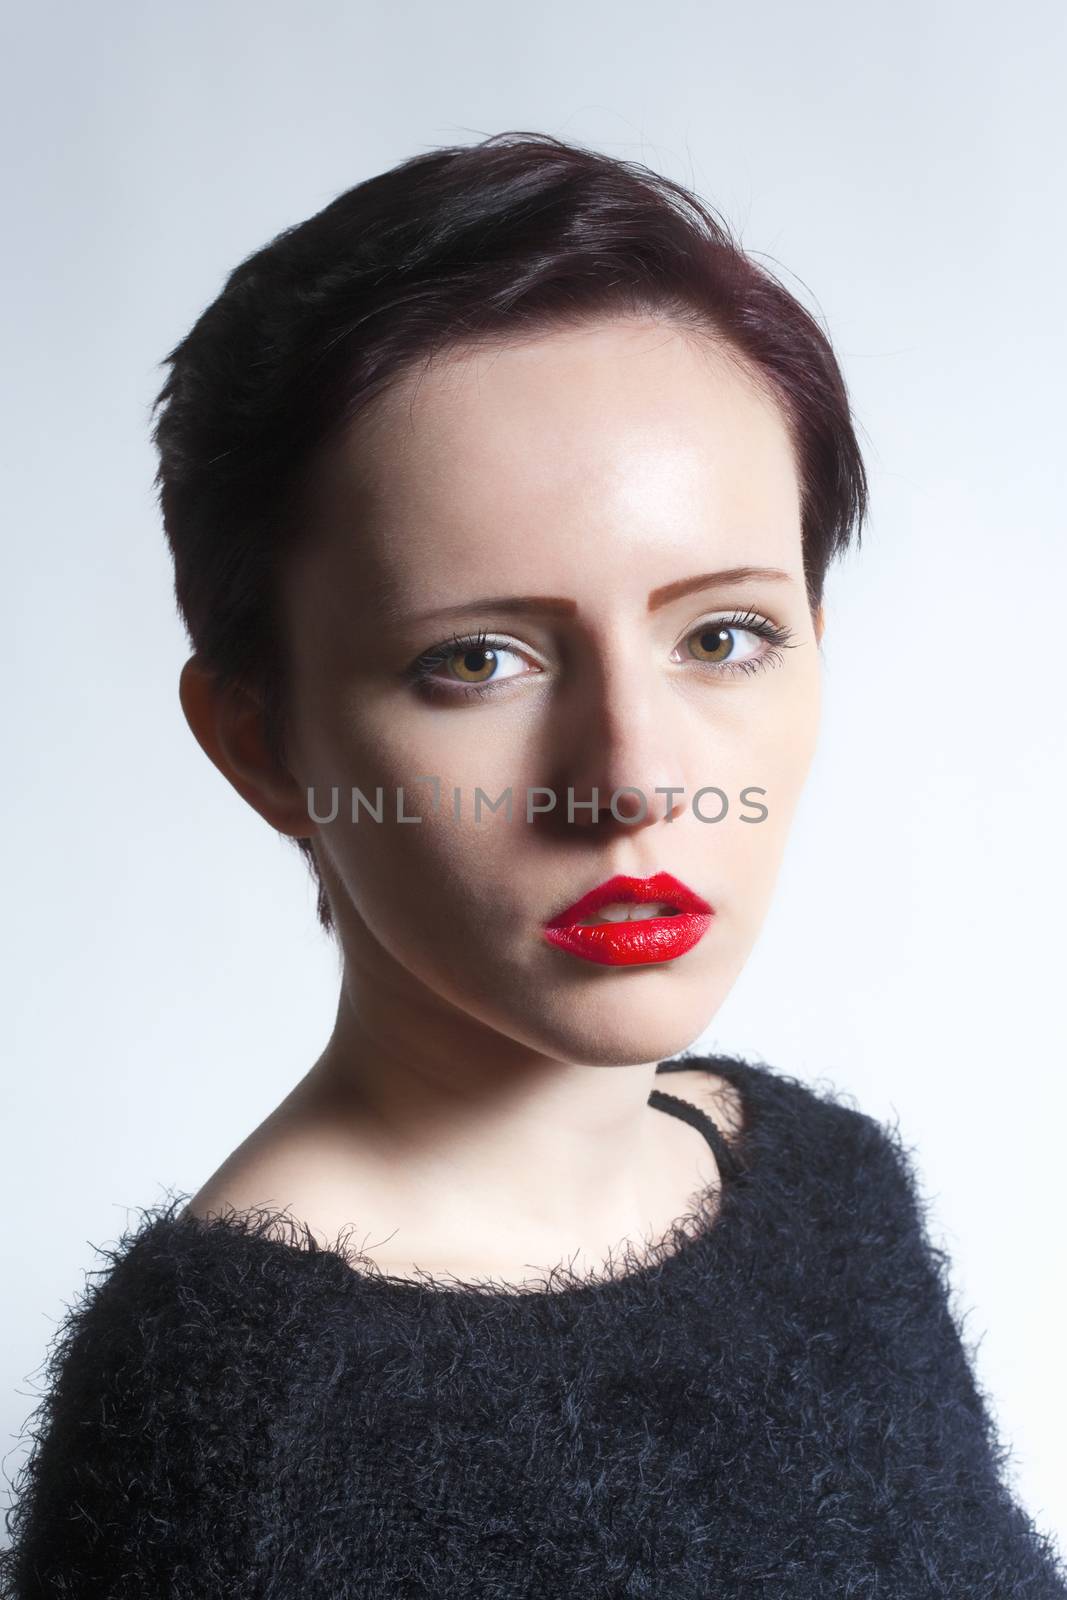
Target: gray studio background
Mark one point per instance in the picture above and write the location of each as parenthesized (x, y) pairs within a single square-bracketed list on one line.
[(166, 982)]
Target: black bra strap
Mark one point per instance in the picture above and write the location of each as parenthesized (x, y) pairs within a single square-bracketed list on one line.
[(677, 1107)]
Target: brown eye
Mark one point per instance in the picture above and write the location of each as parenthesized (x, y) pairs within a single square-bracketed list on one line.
[(728, 645), (474, 666), (474, 663), (715, 644)]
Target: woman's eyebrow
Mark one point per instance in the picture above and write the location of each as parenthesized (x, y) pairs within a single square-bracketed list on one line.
[(708, 580), (558, 606)]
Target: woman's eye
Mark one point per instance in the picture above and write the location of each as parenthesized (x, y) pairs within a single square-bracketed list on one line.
[(482, 664), (724, 644), (745, 642), (470, 664)]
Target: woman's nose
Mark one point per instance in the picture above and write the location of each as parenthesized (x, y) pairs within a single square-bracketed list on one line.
[(621, 747)]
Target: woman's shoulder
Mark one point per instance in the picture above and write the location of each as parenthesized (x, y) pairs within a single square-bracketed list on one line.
[(810, 1132), (150, 1417), (746, 1088), (167, 1287)]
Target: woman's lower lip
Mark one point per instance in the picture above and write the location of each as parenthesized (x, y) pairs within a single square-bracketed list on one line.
[(627, 944)]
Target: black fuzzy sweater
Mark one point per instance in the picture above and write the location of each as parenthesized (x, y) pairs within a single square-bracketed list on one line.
[(774, 1403)]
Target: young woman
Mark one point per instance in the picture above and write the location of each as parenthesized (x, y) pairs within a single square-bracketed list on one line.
[(501, 496)]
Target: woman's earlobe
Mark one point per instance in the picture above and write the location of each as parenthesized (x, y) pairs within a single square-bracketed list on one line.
[(229, 725), (820, 624)]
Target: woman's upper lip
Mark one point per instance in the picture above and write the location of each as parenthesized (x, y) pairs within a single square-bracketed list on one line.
[(661, 886)]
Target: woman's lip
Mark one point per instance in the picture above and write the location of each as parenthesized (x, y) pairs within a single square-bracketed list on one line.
[(625, 944), (662, 886), (629, 944)]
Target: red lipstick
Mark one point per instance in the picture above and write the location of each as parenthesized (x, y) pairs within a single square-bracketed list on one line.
[(628, 943)]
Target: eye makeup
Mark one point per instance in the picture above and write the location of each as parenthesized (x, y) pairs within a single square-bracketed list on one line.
[(480, 651)]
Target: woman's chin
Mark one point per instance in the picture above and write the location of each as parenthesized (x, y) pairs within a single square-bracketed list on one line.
[(620, 1034)]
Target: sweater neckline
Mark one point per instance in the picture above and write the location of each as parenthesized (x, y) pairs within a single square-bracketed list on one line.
[(701, 1226)]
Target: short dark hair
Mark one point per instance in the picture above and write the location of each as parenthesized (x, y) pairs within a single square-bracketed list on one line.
[(518, 234)]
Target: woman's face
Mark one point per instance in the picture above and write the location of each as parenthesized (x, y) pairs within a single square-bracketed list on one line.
[(595, 476)]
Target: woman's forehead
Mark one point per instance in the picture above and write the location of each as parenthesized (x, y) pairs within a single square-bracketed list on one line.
[(611, 396), (618, 439)]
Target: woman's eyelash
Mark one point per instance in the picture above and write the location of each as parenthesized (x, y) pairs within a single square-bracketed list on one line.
[(421, 670), (777, 637)]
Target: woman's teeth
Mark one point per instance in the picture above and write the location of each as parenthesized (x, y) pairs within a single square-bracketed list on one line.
[(626, 911)]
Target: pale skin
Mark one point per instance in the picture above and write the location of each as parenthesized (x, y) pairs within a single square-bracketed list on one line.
[(480, 1109)]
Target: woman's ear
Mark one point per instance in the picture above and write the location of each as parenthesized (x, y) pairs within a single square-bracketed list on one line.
[(229, 726), (820, 623)]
